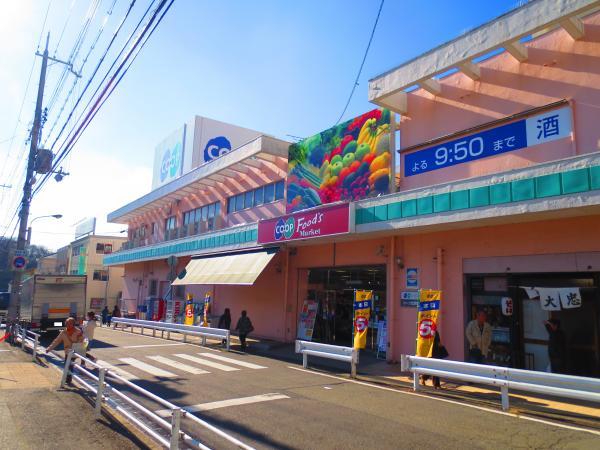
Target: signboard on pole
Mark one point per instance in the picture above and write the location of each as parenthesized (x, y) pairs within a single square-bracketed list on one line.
[(427, 322), (85, 227), (363, 302)]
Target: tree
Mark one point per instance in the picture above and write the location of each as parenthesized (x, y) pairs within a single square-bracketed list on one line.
[(7, 251)]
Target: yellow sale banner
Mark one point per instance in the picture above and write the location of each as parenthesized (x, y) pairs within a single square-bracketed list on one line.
[(189, 310), (207, 300), (363, 301), (427, 323)]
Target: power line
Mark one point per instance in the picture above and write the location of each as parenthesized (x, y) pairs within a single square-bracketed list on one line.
[(102, 98), (85, 59), (362, 64), (109, 88), (115, 34)]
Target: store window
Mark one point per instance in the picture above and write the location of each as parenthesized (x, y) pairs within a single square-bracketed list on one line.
[(100, 275), (330, 292), (256, 197), (153, 288), (204, 214), (522, 335), (171, 223)]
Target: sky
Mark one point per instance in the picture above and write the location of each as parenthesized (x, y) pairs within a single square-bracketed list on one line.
[(279, 67)]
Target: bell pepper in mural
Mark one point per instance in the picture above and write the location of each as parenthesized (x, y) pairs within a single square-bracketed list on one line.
[(347, 162)]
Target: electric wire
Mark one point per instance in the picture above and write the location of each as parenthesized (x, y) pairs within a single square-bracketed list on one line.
[(76, 81), (115, 34), (362, 64), (109, 88)]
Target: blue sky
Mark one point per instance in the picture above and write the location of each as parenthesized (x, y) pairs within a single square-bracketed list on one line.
[(280, 67)]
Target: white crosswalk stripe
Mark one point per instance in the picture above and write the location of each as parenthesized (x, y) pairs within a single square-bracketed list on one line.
[(227, 403), (232, 361), (178, 365), (206, 362), (122, 373), (156, 371)]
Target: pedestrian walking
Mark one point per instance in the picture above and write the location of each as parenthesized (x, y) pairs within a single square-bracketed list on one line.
[(71, 338), (104, 314), (115, 313), (438, 351), (244, 327), (89, 328), (557, 346), (479, 335), (225, 322)]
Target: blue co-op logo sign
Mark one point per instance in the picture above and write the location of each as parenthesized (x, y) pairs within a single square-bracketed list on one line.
[(171, 162), (284, 229), (216, 147)]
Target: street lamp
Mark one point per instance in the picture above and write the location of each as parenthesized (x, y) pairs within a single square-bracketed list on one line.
[(56, 216)]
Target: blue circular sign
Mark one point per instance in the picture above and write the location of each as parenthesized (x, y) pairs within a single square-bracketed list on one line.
[(19, 262)]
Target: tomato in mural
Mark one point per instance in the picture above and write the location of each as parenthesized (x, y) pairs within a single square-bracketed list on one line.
[(348, 162)]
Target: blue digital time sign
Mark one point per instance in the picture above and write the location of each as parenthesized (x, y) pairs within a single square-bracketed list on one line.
[(538, 129)]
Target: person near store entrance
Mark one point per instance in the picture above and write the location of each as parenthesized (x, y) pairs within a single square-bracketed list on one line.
[(225, 322), (557, 346), (438, 351), (244, 327), (479, 335)]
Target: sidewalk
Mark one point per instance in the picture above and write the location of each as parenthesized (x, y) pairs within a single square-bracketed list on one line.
[(36, 414)]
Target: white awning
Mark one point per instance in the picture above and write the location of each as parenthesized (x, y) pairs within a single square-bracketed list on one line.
[(236, 268)]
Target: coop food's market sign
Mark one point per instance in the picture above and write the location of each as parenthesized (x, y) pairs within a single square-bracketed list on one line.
[(312, 223), (524, 133)]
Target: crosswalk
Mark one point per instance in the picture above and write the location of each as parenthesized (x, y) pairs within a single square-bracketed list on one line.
[(170, 367)]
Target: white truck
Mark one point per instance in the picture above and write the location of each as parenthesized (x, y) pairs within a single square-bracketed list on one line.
[(48, 300), (4, 301)]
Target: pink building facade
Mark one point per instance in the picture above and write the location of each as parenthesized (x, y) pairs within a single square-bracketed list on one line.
[(497, 195)]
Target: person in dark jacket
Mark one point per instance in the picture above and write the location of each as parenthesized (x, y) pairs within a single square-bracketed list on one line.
[(244, 327), (104, 314), (557, 346), (438, 352), (116, 313), (225, 321)]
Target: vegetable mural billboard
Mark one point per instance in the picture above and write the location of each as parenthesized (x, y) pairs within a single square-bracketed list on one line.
[(347, 162)]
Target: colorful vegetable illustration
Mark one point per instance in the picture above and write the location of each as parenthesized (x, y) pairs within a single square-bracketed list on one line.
[(348, 162)]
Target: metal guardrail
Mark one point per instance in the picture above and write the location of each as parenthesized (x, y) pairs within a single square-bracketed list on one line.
[(107, 394), (346, 354), (185, 330), (566, 386)]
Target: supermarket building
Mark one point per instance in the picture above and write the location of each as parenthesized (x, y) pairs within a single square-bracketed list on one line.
[(495, 192)]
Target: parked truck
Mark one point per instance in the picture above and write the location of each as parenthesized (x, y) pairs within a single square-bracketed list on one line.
[(48, 300), (4, 301)]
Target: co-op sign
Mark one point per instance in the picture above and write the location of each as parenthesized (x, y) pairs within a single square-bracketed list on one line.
[(311, 223)]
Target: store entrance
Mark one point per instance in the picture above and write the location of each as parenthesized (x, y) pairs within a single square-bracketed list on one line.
[(331, 294), (522, 339)]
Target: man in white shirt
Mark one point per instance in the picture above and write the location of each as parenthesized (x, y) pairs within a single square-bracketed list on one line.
[(88, 328), (479, 335)]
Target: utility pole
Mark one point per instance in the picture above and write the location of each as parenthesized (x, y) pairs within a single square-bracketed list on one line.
[(15, 295)]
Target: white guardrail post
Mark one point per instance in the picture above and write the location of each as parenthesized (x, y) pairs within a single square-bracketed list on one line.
[(185, 330), (34, 350), (175, 427), (505, 378), (63, 379), (23, 338), (100, 392), (327, 351)]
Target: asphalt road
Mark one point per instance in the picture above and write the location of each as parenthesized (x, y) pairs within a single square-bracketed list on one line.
[(269, 403)]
